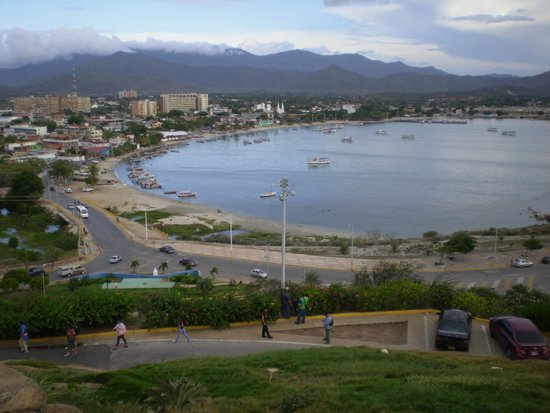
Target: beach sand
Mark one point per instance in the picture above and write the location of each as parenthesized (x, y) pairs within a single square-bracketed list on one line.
[(123, 198)]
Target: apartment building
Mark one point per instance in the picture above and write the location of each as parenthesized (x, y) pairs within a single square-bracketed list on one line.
[(186, 102), (127, 94), (40, 106), (144, 108)]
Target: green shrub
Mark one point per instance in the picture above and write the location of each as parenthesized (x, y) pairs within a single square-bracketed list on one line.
[(401, 294), (538, 313)]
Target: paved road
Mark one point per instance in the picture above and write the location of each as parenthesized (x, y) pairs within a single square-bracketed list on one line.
[(96, 351)]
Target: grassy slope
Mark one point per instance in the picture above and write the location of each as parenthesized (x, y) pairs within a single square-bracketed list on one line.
[(325, 380)]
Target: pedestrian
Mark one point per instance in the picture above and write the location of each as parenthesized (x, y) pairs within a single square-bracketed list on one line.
[(303, 304), (265, 329), (120, 332), (286, 303), (181, 330), (23, 337), (71, 340), (328, 322)]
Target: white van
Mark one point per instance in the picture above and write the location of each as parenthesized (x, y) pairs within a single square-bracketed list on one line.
[(70, 270), (82, 211)]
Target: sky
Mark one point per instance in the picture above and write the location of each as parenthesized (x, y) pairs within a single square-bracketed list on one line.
[(465, 37)]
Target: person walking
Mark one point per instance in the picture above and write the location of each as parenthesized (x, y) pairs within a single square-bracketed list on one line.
[(265, 328), (286, 303), (23, 337), (71, 340), (181, 330), (328, 322), (120, 333), (303, 304)]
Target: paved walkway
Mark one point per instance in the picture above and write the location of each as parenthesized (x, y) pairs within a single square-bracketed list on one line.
[(394, 330)]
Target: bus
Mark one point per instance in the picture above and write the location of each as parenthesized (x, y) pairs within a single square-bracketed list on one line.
[(82, 211)]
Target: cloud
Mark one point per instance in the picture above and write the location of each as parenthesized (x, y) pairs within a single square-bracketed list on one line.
[(486, 18), (19, 47), (152, 43)]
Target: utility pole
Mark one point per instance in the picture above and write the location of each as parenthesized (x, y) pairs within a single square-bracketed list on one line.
[(283, 198)]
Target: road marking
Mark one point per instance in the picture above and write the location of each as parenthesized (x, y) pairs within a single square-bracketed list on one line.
[(426, 332), (496, 284), (484, 329), (470, 285), (520, 280), (484, 284), (531, 282)]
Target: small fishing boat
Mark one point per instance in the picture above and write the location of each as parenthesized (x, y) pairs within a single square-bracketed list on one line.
[(186, 194), (407, 137), (268, 194)]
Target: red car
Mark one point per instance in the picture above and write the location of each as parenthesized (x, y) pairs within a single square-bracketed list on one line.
[(519, 337)]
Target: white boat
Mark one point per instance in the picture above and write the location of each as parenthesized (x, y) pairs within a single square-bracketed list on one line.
[(318, 160), (186, 194), (268, 194), (347, 139)]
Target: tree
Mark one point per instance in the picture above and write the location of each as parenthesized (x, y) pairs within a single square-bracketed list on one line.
[(61, 169), (163, 266), (214, 272), (26, 184), (312, 278), (461, 242), (93, 177), (26, 256), (387, 271), (532, 244), (134, 265)]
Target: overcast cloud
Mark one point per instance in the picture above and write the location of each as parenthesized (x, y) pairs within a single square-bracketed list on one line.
[(463, 37)]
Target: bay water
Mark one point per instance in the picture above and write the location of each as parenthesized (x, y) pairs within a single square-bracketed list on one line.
[(450, 177)]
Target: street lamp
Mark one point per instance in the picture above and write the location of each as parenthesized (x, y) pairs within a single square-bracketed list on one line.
[(351, 249), (146, 230), (283, 198), (231, 234)]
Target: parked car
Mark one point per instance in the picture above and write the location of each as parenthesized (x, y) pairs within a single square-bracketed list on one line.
[(87, 189), (70, 270), (36, 271), (115, 258), (453, 330), (521, 263), (68, 190), (168, 249), (188, 262), (257, 273), (52, 188), (545, 259), (519, 337)]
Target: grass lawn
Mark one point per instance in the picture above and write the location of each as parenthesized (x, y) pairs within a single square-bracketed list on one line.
[(356, 379)]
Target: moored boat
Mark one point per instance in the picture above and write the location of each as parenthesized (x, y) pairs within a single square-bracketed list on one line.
[(407, 137), (318, 160), (268, 194), (186, 194), (509, 133)]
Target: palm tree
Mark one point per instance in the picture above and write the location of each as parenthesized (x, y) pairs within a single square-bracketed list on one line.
[(174, 394), (213, 272), (312, 278), (134, 265), (163, 266)]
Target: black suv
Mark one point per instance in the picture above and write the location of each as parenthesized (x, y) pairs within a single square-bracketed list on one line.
[(36, 271), (453, 330), (545, 259), (168, 249), (188, 262)]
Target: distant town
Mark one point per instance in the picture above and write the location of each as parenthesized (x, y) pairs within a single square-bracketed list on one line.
[(83, 127)]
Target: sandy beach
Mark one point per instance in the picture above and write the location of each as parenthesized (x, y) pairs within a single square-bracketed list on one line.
[(123, 198)]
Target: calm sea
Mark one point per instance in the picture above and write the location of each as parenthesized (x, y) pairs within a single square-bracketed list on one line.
[(450, 177)]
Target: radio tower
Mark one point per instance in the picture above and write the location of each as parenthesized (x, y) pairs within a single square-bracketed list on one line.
[(74, 92)]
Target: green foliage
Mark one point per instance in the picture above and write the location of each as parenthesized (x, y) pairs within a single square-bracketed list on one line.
[(460, 241), (25, 186), (9, 283), (520, 296), (13, 242), (539, 313), (386, 271), (397, 294), (61, 169), (312, 278), (174, 394), (37, 283), (532, 244)]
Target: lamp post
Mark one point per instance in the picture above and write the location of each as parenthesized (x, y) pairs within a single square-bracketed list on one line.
[(231, 234), (283, 198), (351, 249), (267, 258), (146, 230)]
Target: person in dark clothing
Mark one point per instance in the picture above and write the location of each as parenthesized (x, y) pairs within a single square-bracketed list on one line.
[(286, 302), (265, 329)]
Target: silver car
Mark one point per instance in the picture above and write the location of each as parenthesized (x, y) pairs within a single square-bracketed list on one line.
[(521, 263), (257, 273)]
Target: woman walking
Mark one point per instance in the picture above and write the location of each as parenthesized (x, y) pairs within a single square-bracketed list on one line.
[(265, 329), (120, 332), (181, 330), (71, 340), (23, 337)]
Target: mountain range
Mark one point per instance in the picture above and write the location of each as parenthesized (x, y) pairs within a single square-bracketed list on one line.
[(237, 71)]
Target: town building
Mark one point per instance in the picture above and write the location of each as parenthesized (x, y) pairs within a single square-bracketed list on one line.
[(186, 102), (127, 94), (42, 106), (144, 108)]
